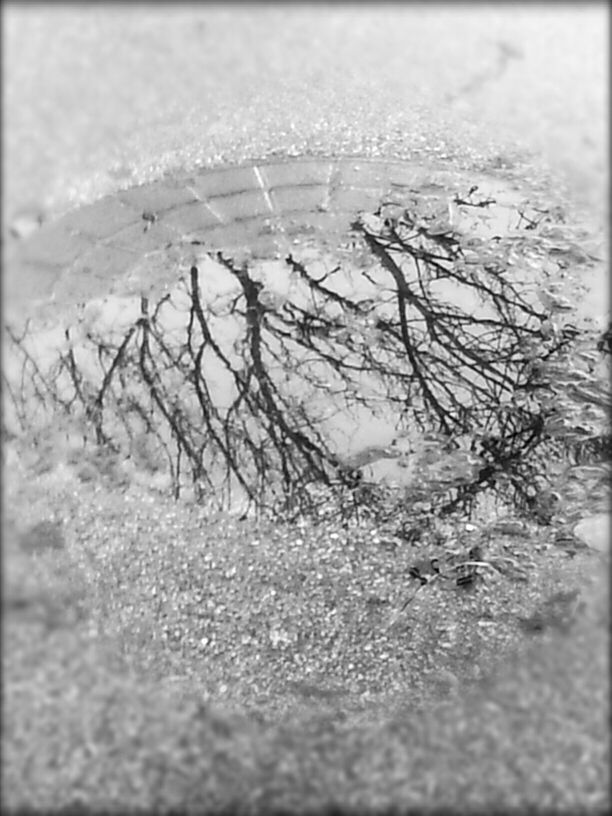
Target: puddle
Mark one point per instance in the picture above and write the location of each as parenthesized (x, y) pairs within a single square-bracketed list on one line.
[(350, 411)]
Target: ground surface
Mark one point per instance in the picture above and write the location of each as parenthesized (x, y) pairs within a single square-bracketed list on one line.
[(156, 657), (96, 99), (99, 100)]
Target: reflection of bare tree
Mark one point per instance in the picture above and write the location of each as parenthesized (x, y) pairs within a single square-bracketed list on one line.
[(433, 329)]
